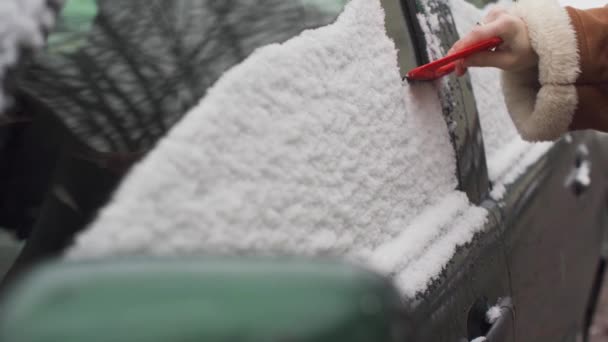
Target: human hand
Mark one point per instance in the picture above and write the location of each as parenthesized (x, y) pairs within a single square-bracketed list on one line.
[(515, 54)]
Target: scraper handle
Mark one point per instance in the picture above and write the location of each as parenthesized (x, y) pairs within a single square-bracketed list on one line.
[(447, 65)]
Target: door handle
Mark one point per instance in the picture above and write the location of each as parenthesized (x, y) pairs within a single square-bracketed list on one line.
[(502, 329), (500, 323), (579, 179)]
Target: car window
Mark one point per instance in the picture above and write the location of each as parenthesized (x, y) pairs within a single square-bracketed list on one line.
[(121, 73), (435, 33), (506, 152), (315, 147)]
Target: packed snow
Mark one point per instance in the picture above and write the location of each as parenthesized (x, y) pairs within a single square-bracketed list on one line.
[(310, 147), (520, 160), (429, 23), (22, 26), (507, 154), (582, 173), (493, 314), (418, 251)]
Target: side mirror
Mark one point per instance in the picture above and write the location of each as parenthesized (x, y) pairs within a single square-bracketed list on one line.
[(202, 300)]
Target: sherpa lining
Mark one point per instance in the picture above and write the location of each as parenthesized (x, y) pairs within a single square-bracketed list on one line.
[(542, 102)]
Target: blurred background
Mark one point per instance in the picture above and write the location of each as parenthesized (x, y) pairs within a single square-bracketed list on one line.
[(584, 3)]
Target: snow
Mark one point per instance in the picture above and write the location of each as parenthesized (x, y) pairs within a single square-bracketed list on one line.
[(583, 150), (430, 25), (493, 314), (310, 147), (418, 251), (414, 277), (508, 155), (582, 173), (480, 339), (518, 161), (22, 25)]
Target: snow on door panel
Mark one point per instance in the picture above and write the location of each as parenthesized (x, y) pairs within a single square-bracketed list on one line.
[(311, 147), (507, 154)]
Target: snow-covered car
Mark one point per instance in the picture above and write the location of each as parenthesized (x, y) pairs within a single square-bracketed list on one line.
[(259, 170)]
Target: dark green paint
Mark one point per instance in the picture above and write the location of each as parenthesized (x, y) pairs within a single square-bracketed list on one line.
[(202, 299)]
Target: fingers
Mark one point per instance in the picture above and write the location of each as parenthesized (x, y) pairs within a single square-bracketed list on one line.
[(498, 23), (484, 59), (502, 25), (477, 34), (497, 59), (460, 68), (494, 13)]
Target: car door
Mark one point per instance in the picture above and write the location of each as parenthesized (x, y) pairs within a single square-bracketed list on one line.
[(550, 215), (454, 307), (554, 224)]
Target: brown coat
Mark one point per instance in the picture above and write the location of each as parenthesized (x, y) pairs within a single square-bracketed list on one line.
[(569, 89), (591, 27)]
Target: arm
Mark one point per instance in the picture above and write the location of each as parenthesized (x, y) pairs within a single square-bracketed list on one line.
[(592, 84), (555, 63)]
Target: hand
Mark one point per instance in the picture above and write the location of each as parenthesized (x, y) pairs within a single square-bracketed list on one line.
[(515, 54)]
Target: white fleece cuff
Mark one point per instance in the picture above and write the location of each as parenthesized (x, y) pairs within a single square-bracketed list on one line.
[(542, 102)]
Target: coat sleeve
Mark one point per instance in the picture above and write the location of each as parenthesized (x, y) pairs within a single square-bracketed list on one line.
[(569, 88), (592, 84)]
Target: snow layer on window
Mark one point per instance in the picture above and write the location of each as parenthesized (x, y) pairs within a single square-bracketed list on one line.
[(508, 155), (22, 25), (431, 27), (310, 147)]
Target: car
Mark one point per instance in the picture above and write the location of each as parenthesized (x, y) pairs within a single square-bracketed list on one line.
[(117, 78)]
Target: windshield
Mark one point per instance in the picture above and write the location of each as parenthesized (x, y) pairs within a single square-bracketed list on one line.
[(121, 73)]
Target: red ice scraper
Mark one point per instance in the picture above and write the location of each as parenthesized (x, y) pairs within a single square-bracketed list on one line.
[(447, 65)]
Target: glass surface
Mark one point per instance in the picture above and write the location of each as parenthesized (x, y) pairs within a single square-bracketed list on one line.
[(115, 77), (121, 73)]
